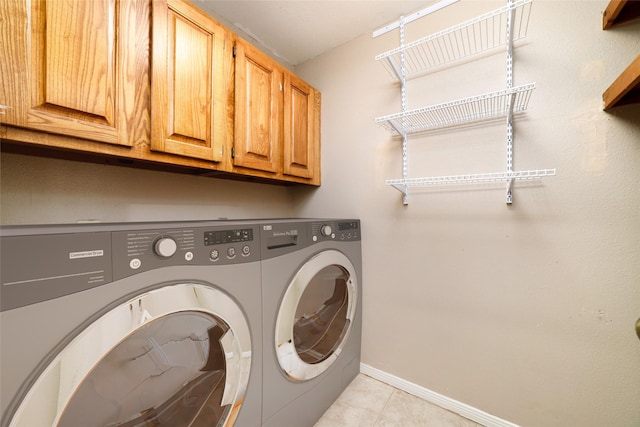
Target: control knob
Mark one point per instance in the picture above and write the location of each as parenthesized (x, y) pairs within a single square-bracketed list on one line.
[(165, 247), (326, 230)]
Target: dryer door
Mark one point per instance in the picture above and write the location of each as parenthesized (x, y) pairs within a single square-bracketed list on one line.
[(316, 315), (177, 355)]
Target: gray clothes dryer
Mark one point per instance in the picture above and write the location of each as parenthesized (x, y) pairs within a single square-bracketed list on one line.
[(312, 311), (131, 324)]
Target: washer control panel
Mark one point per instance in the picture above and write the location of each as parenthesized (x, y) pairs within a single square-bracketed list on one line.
[(237, 242), (335, 230), (165, 247), (227, 236), (136, 251)]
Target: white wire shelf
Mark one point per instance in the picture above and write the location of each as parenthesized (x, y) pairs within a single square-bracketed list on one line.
[(404, 184), (469, 38), (467, 110)]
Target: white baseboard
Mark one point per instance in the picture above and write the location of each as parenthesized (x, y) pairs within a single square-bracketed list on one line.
[(469, 412)]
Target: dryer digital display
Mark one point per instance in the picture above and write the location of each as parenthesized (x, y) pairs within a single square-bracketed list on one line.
[(351, 225)]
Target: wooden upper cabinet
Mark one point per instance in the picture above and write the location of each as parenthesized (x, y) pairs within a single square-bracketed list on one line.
[(301, 128), (188, 83), (66, 67), (258, 109), (277, 118), (156, 81)]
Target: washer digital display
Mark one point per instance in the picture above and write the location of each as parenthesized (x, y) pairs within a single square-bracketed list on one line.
[(227, 236)]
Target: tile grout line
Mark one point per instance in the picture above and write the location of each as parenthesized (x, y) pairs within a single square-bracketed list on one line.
[(386, 403)]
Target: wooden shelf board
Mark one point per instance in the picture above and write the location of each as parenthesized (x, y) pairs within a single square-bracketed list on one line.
[(620, 11), (625, 89)]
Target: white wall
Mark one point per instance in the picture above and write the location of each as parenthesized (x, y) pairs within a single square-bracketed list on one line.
[(49, 191), (526, 311)]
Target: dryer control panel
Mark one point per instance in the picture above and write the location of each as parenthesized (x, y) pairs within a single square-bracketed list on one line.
[(280, 237), (347, 230)]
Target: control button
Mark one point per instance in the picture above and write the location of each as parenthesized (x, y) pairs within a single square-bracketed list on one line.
[(231, 252), (246, 250), (214, 254), (188, 256), (326, 230), (165, 247), (135, 263), (315, 238)]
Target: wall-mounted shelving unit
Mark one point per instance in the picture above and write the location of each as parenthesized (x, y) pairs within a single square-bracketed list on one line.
[(489, 31), (626, 88)]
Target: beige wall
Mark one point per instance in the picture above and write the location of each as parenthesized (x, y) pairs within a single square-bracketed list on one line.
[(526, 311), (47, 191)]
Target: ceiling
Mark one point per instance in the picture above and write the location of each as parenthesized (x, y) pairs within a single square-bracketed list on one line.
[(294, 31)]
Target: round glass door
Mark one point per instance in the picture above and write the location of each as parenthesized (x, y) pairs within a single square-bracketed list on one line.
[(316, 315), (175, 356)]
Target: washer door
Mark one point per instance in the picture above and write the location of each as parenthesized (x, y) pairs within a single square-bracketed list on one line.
[(175, 356), (316, 315)]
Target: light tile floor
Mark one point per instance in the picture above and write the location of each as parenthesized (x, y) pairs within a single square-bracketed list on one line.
[(371, 403)]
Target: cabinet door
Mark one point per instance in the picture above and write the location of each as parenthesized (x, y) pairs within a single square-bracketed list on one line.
[(66, 67), (258, 110), (301, 128), (187, 82)]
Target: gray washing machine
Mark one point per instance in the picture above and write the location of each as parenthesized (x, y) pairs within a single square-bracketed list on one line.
[(312, 311), (131, 324)]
